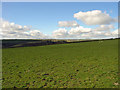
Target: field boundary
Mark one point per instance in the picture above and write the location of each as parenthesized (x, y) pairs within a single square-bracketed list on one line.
[(14, 43)]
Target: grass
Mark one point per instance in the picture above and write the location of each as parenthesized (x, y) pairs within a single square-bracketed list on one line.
[(75, 65)]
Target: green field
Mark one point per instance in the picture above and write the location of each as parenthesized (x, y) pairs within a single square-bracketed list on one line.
[(74, 65)]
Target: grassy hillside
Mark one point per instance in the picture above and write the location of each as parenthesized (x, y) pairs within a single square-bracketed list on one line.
[(13, 43), (74, 65)]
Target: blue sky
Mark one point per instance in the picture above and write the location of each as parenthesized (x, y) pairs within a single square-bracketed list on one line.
[(45, 16)]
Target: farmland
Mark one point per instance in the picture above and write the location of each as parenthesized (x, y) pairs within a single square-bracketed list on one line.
[(69, 65)]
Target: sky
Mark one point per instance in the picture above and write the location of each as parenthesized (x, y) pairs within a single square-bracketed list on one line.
[(59, 20)]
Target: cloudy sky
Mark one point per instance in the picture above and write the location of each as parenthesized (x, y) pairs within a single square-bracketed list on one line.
[(62, 20)]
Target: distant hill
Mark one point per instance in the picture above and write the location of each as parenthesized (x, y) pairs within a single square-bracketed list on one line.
[(12, 43)]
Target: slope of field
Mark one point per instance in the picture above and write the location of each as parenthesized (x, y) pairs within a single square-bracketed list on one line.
[(13, 43), (74, 65)]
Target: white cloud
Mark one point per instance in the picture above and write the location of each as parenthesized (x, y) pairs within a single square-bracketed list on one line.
[(12, 30), (72, 33), (78, 31), (115, 33), (67, 24), (103, 31), (60, 33), (104, 28), (95, 17)]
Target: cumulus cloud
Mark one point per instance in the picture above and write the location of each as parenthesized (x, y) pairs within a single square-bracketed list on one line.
[(104, 28), (72, 33), (15, 31), (68, 24), (95, 17), (103, 31), (60, 33), (86, 33), (115, 33), (78, 31), (7, 26)]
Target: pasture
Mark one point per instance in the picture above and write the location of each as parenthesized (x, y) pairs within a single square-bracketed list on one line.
[(74, 65)]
